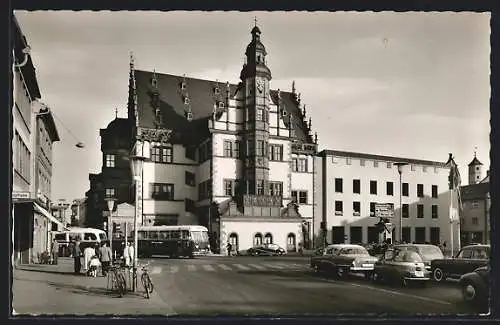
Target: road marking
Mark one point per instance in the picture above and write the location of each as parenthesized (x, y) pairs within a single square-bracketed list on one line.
[(191, 268), (224, 267), (208, 267), (274, 266), (397, 293), (241, 267), (174, 269), (256, 266)]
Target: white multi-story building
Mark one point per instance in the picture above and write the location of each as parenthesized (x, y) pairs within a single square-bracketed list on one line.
[(237, 158), (352, 183), (33, 134)]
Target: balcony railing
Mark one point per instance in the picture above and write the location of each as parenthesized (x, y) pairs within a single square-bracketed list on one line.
[(262, 200), (304, 148)]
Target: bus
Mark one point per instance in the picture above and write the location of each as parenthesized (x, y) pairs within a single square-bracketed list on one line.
[(86, 236), (172, 241)]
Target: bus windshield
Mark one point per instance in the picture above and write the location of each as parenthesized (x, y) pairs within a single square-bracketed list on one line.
[(199, 236)]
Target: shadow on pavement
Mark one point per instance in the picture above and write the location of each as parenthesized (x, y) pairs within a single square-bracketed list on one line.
[(81, 289), (48, 271)]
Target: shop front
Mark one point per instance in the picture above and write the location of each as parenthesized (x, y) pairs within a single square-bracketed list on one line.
[(33, 226)]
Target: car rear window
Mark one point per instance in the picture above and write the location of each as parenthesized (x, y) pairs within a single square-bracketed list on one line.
[(430, 252)]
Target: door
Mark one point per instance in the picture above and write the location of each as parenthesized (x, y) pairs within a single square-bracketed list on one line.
[(338, 234), (291, 243), (461, 263)]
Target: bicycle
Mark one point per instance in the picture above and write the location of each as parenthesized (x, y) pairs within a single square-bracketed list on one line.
[(146, 281), (117, 280)]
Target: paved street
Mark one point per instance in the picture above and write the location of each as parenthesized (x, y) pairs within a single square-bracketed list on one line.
[(286, 286)]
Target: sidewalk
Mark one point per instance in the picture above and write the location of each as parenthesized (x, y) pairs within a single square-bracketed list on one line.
[(55, 290)]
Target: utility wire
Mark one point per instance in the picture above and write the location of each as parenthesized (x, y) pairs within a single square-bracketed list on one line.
[(79, 144)]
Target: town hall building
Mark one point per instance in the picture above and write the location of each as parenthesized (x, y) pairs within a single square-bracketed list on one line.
[(236, 158)]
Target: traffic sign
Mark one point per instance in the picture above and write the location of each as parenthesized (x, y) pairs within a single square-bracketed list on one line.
[(384, 210), (389, 227)]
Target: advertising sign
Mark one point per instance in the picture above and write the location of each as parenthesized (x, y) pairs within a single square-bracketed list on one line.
[(20, 195), (384, 210)]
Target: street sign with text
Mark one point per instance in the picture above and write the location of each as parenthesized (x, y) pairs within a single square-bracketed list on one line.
[(384, 210)]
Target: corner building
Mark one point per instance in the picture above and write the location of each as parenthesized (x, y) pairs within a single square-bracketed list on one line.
[(352, 183), (236, 158)]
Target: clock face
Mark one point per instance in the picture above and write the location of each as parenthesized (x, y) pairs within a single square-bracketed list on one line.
[(260, 85)]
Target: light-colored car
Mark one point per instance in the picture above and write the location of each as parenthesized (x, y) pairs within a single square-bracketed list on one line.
[(342, 259), (401, 266)]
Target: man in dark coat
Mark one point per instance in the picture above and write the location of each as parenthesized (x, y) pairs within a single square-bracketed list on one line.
[(77, 253)]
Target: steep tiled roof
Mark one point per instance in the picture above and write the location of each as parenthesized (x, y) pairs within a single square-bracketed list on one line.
[(475, 162), (201, 95), (380, 157), (474, 191)]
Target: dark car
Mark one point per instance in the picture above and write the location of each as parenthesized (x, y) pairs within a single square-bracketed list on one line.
[(467, 260), (266, 250), (341, 259), (475, 288), (402, 266), (427, 252)]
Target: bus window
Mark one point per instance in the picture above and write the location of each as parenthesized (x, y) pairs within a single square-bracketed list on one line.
[(168, 234), (153, 235), (185, 234), (73, 236), (102, 236), (176, 234), (89, 236)]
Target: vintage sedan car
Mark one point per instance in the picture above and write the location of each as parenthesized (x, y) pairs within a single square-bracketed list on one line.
[(342, 259), (467, 260), (402, 266), (427, 252), (266, 250), (475, 288)]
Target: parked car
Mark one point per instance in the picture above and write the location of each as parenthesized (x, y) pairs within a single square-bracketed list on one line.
[(342, 259), (266, 250), (467, 260), (427, 252), (475, 287), (401, 265)]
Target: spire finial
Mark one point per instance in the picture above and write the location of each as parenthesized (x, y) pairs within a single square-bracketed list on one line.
[(255, 21), (132, 63), (116, 112), (293, 87), (475, 151)]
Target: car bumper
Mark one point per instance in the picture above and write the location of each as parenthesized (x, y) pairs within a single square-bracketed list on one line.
[(361, 268), (409, 278)]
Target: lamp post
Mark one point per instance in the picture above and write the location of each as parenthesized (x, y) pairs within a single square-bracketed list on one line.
[(137, 163), (400, 172), (111, 203)]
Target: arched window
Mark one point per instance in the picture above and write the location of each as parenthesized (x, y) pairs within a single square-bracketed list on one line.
[(233, 240), (268, 238), (257, 239), (291, 242)]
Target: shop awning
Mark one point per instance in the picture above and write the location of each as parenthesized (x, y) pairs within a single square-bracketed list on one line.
[(44, 212)]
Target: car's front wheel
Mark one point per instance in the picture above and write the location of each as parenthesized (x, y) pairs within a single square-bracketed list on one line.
[(438, 274)]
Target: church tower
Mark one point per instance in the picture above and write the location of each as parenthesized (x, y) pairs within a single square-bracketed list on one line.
[(255, 77), (475, 170)]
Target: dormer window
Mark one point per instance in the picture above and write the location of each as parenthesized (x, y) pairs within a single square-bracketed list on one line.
[(221, 105), (189, 116), (216, 90), (186, 100), (283, 112), (183, 85)]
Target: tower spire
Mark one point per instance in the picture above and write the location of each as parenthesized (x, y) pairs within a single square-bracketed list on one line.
[(255, 21), (116, 112), (475, 151)]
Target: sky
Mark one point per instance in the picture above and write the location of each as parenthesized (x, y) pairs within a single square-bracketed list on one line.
[(410, 85)]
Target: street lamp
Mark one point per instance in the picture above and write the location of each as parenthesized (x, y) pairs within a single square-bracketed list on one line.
[(400, 171), (137, 163), (111, 203)]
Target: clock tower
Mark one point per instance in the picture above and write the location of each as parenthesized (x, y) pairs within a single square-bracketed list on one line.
[(255, 77)]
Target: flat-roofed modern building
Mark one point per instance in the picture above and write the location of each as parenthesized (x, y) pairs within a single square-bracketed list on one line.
[(351, 183)]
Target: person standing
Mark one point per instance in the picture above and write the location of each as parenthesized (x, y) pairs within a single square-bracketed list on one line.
[(126, 255), (88, 253), (131, 252), (106, 257), (229, 249), (76, 256), (54, 251)]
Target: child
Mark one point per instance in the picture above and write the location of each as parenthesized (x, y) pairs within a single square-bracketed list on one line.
[(94, 265)]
